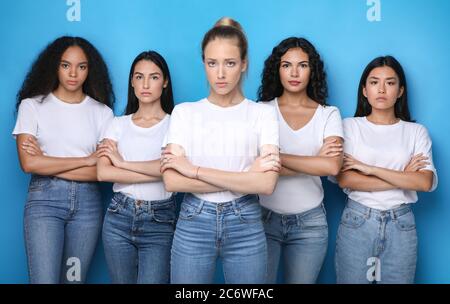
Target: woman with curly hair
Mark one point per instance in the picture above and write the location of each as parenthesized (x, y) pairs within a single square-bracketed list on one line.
[(63, 106), (294, 82)]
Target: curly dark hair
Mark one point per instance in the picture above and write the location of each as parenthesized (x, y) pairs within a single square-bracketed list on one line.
[(42, 78), (166, 96), (271, 86)]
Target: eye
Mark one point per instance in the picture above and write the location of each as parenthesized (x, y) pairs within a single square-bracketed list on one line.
[(155, 77), (211, 64), (83, 67), (304, 65), (391, 83), (231, 64), (373, 82), (64, 65), (284, 65), (138, 77)]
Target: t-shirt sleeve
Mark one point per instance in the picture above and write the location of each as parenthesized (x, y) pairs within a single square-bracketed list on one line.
[(112, 130), (423, 145), (269, 128), (106, 121), (27, 121), (333, 124), (178, 128)]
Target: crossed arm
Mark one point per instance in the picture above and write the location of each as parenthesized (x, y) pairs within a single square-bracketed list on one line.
[(358, 176), (180, 175), (32, 160)]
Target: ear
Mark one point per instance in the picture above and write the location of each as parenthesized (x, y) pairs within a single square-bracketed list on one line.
[(244, 65), (400, 94), (165, 84), (364, 91)]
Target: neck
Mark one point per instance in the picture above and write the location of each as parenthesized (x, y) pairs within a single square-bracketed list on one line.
[(149, 110), (228, 100), (382, 117), (294, 99), (68, 96)]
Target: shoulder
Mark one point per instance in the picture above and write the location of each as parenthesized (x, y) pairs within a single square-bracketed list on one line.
[(187, 107), (98, 106), (415, 128)]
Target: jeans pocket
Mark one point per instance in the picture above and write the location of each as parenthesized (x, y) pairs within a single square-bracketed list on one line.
[(316, 221), (250, 214), (406, 222), (164, 215), (187, 212), (39, 183), (114, 206), (352, 219)]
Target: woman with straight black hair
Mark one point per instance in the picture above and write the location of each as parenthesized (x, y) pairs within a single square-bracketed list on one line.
[(387, 159), (294, 83), (139, 223), (63, 106)]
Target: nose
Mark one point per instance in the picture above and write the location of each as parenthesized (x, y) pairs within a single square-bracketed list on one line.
[(381, 88), (146, 83), (73, 71), (221, 72), (294, 72)]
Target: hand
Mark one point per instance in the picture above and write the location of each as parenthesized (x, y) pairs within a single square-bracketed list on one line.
[(269, 162), (351, 163), (178, 163), (417, 163), (331, 148), (109, 149), (31, 146), (173, 149)]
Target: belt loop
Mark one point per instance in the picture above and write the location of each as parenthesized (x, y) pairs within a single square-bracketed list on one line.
[(393, 214), (235, 208), (200, 206), (368, 211)]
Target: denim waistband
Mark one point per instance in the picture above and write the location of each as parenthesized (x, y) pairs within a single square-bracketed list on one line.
[(129, 202), (222, 207), (297, 216), (37, 179), (367, 211)]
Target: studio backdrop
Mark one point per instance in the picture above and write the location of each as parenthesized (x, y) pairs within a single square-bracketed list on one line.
[(347, 33)]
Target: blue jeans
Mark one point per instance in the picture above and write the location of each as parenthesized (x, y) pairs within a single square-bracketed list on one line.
[(301, 240), (231, 230), (62, 222), (376, 246), (137, 238)]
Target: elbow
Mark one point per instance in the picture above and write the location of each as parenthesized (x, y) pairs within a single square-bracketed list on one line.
[(27, 167), (101, 177), (342, 181), (268, 188), (335, 168), (169, 183), (426, 186)]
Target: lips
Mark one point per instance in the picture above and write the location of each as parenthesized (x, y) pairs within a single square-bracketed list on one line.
[(146, 93), (221, 84), (294, 83), (72, 82), (381, 98)]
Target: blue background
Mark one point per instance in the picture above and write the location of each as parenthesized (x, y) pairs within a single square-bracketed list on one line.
[(415, 31)]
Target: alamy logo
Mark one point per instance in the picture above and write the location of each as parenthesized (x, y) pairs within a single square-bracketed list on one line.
[(374, 272), (74, 11), (74, 272), (374, 12)]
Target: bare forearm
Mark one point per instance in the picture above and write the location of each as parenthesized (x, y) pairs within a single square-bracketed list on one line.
[(48, 165), (242, 182), (151, 168), (287, 172), (83, 174), (109, 173), (416, 181), (312, 165), (176, 182), (359, 182)]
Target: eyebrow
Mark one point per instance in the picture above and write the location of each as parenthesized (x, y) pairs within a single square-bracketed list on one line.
[(226, 59), (65, 61), (389, 78), (304, 61), (155, 73)]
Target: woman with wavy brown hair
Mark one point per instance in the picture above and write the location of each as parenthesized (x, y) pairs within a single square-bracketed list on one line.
[(294, 82)]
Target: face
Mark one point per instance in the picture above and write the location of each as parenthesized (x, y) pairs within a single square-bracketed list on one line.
[(382, 88), (223, 65), (73, 69), (148, 81), (294, 70)]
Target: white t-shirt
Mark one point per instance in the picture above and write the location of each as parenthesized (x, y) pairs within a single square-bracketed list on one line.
[(227, 139), (63, 129), (386, 146), (139, 144), (300, 193)]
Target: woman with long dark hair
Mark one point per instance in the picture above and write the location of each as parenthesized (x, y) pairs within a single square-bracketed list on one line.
[(387, 159), (63, 106), (139, 223), (294, 82)]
